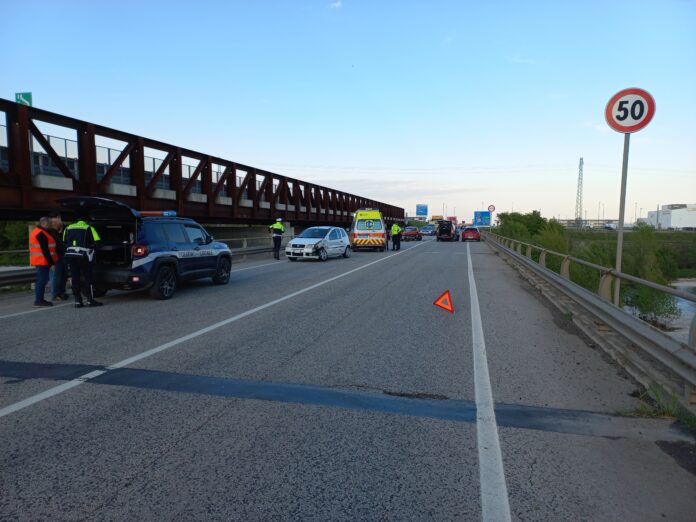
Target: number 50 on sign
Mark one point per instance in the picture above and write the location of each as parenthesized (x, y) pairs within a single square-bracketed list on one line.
[(630, 110)]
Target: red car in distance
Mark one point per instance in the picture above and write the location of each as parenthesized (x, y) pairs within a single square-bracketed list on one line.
[(471, 234), (411, 234)]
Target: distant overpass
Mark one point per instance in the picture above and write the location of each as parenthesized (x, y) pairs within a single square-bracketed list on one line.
[(36, 169)]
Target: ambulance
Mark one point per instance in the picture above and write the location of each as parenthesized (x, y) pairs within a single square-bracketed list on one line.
[(368, 230)]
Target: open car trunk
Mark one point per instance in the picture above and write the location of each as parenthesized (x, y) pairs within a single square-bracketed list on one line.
[(115, 223), (116, 242)]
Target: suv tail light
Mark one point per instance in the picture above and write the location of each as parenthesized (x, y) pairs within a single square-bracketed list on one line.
[(139, 250)]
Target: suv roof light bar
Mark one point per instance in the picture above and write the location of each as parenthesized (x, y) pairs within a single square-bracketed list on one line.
[(157, 213)]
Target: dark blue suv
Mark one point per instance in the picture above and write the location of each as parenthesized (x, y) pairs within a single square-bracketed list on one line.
[(154, 250)]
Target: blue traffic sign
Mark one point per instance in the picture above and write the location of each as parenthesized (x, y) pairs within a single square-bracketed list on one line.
[(421, 210), (482, 218)]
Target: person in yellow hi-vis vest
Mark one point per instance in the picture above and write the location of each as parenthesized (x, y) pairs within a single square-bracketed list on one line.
[(80, 243), (396, 237), (277, 229)]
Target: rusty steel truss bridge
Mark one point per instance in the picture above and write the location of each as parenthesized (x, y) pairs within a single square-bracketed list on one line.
[(37, 169)]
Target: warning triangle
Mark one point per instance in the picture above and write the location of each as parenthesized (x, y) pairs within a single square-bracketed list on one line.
[(445, 302)]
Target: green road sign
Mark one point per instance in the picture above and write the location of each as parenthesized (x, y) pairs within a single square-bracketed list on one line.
[(23, 98)]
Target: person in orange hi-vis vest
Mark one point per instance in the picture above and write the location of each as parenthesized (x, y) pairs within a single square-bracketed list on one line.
[(42, 255)]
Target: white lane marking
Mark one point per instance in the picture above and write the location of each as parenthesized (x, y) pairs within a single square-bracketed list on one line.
[(148, 353), (256, 266), (33, 310), (65, 304), (494, 496)]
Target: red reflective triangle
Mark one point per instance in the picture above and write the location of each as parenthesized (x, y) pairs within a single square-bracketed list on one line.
[(445, 302)]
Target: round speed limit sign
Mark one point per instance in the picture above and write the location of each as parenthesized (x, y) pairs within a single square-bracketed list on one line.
[(630, 110)]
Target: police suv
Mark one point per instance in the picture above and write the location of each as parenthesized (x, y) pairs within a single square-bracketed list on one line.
[(149, 250)]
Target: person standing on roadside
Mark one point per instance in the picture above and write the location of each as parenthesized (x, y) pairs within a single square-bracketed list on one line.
[(42, 255), (59, 274), (80, 243), (396, 236), (277, 229)]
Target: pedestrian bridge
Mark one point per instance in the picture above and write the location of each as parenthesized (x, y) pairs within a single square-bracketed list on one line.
[(37, 168)]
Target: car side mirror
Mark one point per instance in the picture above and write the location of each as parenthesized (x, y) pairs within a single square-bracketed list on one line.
[(209, 240)]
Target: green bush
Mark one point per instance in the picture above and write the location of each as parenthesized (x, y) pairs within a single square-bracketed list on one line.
[(17, 236)]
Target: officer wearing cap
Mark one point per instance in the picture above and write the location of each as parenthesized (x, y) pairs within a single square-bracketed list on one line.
[(277, 229)]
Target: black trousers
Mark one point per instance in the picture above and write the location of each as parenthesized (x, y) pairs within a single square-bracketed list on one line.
[(396, 241), (80, 267), (276, 246)]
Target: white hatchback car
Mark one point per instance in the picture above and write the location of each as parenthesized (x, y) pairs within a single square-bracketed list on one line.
[(319, 243)]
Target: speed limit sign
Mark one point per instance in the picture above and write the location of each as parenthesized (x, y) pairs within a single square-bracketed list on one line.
[(627, 111), (630, 110), (491, 208)]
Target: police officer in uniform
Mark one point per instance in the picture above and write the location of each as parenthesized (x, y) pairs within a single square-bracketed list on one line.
[(396, 237), (80, 241), (277, 229)]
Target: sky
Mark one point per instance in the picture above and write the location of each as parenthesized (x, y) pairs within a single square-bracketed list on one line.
[(454, 104)]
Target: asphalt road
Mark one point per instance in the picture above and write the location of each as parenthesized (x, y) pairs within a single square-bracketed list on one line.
[(327, 391)]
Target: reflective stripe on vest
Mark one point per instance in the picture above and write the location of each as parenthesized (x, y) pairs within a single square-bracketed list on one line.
[(36, 256)]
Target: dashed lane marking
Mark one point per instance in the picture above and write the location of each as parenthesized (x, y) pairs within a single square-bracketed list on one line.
[(33, 310)]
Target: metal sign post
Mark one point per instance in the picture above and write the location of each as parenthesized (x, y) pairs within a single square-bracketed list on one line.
[(628, 111), (622, 211)]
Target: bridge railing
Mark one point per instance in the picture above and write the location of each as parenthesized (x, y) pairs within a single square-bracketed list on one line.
[(36, 168), (606, 276), (648, 354)]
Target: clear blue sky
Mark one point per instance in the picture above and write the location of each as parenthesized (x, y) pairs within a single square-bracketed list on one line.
[(454, 103)]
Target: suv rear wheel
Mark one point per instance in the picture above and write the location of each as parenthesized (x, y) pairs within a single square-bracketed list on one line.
[(222, 273), (165, 282)]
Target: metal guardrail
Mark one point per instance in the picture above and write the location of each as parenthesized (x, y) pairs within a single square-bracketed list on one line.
[(677, 358), (27, 275)]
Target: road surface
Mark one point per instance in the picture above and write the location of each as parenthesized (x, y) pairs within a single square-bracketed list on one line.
[(327, 391)]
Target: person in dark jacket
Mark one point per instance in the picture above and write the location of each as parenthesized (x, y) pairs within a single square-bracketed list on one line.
[(81, 240), (59, 274)]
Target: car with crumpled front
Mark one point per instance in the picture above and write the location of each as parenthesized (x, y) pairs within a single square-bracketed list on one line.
[(319, 243)]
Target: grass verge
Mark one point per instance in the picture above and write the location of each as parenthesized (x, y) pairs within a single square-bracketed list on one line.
[(659, 405)]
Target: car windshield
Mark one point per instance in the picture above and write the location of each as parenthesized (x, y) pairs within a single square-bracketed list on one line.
[(410, 229), (314, 233), (470, 229), (368, 224)]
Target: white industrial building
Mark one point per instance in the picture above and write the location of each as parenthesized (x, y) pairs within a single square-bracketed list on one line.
[(676, 217)]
